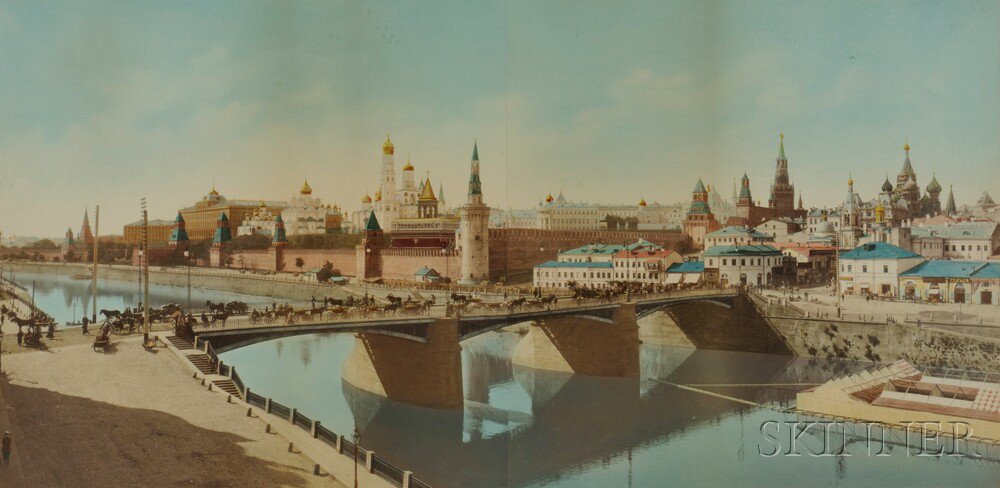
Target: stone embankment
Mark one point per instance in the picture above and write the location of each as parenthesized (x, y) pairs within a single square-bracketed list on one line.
[(923, 345), (284, 285)]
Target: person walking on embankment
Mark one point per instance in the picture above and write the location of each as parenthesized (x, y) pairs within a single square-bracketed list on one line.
[(7, 443)]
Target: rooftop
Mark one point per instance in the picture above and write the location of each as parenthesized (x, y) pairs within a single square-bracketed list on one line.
[(954, 269), (739, 230), (742, 250), (956, 230), (879, 250), (687, 267)]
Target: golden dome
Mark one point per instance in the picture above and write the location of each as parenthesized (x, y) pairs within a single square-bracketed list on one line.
[(378, 196), (213, 192), (906, 145), (366, 199), (306, 189), (408, 166), (388, 148), (642, 202), (548, 199), (850, 181)]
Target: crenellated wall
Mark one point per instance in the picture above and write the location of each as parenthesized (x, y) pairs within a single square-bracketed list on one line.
[(402, 264)]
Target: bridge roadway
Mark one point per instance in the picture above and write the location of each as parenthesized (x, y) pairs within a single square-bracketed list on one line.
[(239, 331)]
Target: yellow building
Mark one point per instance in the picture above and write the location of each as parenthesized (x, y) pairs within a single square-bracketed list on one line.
[(159, 232), (201, 217)]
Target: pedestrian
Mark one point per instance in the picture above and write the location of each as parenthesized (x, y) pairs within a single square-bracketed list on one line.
[(7, 443), (84, 327), (20, 336)]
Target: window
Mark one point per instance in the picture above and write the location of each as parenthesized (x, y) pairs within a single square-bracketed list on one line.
[(885, 268), (864, 268)]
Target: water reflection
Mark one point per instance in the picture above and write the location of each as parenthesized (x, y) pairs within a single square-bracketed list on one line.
[(523, 427), (68, 299)]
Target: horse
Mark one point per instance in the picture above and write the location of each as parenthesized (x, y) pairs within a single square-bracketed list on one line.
[(110, 314), (455, 297)]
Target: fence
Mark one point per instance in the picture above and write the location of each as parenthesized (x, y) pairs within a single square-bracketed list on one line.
[(379, 466)]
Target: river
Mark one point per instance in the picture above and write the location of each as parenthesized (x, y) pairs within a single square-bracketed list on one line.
[(530, 428), (67, 299)]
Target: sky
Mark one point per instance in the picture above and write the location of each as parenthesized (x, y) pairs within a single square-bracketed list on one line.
[(102, 103)]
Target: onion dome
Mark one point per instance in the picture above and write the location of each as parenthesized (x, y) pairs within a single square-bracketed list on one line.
[(642, 202), (850, 181), (387, 147), (306, 189), (378, 195), (408, 166), (910, 184), (886, 186), (934, 186), (366, 199), (214, 193), (549, 198)]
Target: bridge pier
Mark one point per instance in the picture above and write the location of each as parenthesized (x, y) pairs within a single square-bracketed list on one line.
[(427, 374), (583, 345)]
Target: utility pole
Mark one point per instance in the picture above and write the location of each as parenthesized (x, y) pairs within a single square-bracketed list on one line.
[(145, 273), (97, 239)]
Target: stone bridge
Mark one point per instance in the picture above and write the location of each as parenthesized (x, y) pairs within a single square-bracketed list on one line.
[(418, 359)]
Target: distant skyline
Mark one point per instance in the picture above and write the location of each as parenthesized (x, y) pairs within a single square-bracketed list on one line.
[(107, 102)]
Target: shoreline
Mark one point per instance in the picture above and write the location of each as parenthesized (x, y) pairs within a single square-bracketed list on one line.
[(281, 286)]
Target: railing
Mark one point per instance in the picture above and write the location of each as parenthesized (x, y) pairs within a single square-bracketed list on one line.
[(379, 466)]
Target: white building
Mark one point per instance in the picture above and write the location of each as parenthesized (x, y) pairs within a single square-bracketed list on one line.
[(957, 240), (390, 202), (559, 274), (307, 214), (261, 221), (874, 268), (780, 229), (736, 234), (754, 264)]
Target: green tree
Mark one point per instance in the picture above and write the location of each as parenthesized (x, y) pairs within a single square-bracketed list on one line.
[(299, 263)]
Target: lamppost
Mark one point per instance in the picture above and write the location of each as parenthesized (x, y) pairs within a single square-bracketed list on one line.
[(356, 437), (187, 257)]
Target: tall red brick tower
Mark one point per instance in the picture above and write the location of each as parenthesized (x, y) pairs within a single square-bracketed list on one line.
[(782, 191), (700, 219)]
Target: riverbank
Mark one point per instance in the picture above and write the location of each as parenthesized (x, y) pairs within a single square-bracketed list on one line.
[(283, 286), (133, 418)]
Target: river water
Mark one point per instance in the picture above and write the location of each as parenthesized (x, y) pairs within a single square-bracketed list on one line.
[(530, 428), (67, 299)]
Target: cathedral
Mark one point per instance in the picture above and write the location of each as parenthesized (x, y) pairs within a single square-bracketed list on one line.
[(391, 203), (894, 207)]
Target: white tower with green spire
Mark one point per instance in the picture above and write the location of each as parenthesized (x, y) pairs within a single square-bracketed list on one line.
[(473, 231)]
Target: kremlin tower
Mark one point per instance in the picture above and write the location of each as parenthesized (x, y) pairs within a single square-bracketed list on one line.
[(474, 230)]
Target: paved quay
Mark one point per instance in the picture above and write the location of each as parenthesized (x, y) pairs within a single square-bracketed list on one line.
[(132, 418)]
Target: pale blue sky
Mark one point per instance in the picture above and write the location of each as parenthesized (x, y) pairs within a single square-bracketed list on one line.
[(105, 102)]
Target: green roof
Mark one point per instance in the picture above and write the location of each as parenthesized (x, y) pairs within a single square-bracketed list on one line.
[(879, 250), (372, 223), (699, 187), (949, 269), (742, 250)]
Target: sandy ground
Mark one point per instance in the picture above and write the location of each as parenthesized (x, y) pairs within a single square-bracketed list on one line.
[(132, 418)]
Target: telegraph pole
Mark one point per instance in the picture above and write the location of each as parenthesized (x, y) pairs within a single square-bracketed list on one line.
[(97, 239), (145, 273)]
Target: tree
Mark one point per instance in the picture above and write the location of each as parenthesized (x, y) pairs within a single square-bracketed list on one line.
[(251, 241), (299, 263), (327, 272), (42, 245)]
